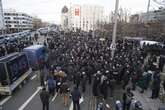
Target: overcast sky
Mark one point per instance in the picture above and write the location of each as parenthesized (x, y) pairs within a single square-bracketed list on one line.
[(50, 10)]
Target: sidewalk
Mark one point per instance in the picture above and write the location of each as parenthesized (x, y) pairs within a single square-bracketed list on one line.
[(147, 102)]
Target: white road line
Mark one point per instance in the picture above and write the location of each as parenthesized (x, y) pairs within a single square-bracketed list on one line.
[(5, 100), (33, 77), (54, 97), (30, 98), (71, 106)]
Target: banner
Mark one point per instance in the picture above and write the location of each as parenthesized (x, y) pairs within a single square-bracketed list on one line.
[(77, 12)]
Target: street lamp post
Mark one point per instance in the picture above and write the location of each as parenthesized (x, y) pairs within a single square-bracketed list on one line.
[(113, 45), (148, 16), (93, 33), (148, 6)]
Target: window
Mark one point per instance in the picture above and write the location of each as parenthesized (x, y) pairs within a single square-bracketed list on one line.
[(7, 14), (15, 21), (8, 25), (7, 17)]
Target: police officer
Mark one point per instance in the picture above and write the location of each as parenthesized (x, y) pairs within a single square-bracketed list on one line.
[(83, 82), (76, 95), (95, 85), (156, 86), (44, 96)]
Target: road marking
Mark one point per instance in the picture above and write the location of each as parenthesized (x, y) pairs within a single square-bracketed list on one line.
[(30, 98), (54, 97), (5, 100), (71, 106), (33, 77)]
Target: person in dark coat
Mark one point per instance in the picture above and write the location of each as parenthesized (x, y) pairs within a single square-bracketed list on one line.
[(105, 88), (77, 79), (156, 86), (161, 63), (95, 85), (76, 95), (42, 77), (126, 79), (83, 82), (89, 74), (127, 98), (134, 80), (124, 101), (51, 85), (164, 84), (44, 96)]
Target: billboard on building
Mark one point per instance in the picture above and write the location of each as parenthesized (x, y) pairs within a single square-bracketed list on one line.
[(77, 11)]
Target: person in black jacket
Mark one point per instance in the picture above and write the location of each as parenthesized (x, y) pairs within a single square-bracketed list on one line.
[(156, 86), (164, 84), (83, 82), (44, 96), (76, 95)]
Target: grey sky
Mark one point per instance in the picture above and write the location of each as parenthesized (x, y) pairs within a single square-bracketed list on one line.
[(50, 10)]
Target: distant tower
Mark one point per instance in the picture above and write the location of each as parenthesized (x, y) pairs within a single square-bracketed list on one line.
[(1, 16), (64, 17)]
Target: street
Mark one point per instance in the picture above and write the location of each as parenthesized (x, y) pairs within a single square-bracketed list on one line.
[(27, 98)]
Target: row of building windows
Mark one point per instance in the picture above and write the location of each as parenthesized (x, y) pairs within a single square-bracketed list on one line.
[(11, 21), (18, 18), (24, 22), (22, 26), (18, 26), (8, 26), (7, 17), (16, 14)]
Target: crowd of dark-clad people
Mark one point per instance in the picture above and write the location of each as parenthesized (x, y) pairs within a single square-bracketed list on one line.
[(87, 61)]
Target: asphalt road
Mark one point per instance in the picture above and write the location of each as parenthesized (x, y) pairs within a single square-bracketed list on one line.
[(27, 98)]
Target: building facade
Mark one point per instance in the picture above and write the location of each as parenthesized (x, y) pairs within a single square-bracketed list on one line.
[(1, 16), (65, 18), (152, 16), (37, 23), (85, 17), (17, 21)]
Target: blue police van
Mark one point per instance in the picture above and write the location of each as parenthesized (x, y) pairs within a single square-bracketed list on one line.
[(14, 70), (36, 54)]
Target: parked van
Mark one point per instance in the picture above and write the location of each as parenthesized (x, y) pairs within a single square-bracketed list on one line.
[(36, 55), (14, 70)]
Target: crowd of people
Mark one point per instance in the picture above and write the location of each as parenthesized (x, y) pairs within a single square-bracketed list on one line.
[(85, 59)]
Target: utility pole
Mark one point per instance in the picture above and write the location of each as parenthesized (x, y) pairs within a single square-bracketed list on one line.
[(113, 45), (93, 34), (148, 7), (147, 21)]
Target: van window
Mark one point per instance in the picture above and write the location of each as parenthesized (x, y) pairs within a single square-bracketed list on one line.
[(1, 37), (3, 76)]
